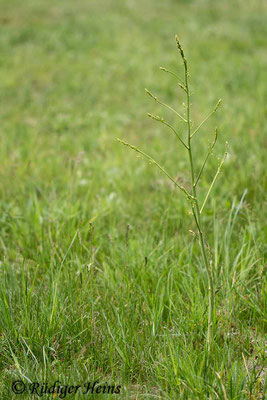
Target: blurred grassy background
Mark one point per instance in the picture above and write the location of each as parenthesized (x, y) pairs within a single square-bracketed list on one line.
[(72, 79)]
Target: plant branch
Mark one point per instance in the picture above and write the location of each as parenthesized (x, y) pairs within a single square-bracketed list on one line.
[(181, 83), (165, 105), (207, 156), (152, 161), (214, 179), (207, 117), (159, 119)]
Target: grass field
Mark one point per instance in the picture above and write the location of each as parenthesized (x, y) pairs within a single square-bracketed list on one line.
[(100, 277)]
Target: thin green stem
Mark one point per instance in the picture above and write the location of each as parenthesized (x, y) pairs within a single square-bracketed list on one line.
[(197, 214), (214, 180), (165, 105), (181, 83), (207, 156), (159, 119), (207, 117), (152, 161)]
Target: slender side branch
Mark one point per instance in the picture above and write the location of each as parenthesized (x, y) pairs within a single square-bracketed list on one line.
[(214, 179), (207, 117), (159, 166), (159, 119), (165, 105), (207, 156), (181, 84)]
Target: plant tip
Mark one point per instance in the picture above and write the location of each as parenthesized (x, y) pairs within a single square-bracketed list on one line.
[(150, 94), (218, 104)]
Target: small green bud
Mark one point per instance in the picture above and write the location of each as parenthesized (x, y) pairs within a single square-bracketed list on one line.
[(150, 94), (217, 105)]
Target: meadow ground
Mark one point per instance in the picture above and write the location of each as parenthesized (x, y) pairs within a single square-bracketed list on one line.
[(100, 277)]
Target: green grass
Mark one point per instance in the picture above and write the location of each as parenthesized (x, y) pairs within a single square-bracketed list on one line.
[(100, 278)]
